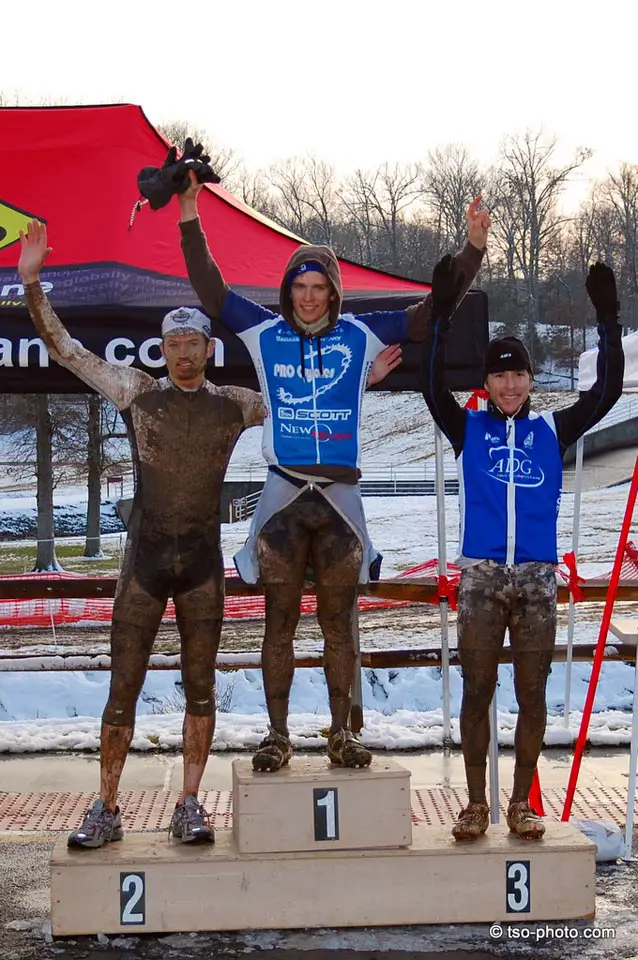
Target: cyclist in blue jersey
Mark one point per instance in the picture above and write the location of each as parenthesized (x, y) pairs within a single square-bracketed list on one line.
[(509, 461), (312, 362)]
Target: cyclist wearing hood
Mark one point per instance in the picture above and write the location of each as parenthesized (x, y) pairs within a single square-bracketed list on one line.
[(312, 362)]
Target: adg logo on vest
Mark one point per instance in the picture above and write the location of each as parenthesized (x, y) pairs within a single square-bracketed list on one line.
[(515, 463)]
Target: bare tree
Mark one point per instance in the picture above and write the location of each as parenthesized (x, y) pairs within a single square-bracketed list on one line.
[(83, 433), (377, 202), (356, 196), (451, 181), (621, 192), (400, 187), (420, 247), (93, 543), (322, 197), (524, 193), (289, 186), (304, 196), (590, 236), (46, 559), (253, 189)]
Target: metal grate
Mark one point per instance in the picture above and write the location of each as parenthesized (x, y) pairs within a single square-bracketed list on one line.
[(141, 810), (151, 809)]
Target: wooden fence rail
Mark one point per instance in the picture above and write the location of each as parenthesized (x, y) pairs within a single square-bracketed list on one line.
[(416, 590)]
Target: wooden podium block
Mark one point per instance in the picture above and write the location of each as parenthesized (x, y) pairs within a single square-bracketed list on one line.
[(311, 805), (146, 884)]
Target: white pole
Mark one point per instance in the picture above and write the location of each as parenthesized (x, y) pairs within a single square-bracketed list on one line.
[(356, 708), (495, 811), (578, 486), (495, 806), (631, 789), (443, 605)]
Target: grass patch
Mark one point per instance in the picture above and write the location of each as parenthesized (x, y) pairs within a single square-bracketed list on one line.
[(16, 558)]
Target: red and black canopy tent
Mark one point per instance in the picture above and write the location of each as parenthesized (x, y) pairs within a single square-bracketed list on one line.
[(75, 168)]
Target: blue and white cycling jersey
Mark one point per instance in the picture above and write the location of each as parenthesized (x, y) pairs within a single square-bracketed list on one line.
[(314, 407), (510, 477)]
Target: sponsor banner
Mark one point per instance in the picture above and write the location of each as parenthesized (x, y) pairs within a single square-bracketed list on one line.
[(100, 285), (129, 336)]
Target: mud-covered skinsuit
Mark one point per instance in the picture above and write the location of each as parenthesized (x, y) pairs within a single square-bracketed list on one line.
[(181, 442), (510, 475), (309, 524)]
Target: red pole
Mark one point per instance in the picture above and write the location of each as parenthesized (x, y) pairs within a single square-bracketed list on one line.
[(535, 798), (600, 646)]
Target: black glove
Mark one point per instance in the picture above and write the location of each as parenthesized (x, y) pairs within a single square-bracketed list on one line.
[(447, 283), (194, 158), (158, 185), (601, 287)]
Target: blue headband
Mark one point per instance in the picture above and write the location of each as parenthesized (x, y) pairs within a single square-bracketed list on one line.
[(305, 268)]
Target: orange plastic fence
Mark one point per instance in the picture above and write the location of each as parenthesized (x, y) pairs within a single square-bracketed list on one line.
[(60, 611), (89, 611)]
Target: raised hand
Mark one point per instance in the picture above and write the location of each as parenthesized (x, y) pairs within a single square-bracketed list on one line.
[(192, 190), (478, 224), (195, 159), (33, 251), (601, 287), (387, 361)]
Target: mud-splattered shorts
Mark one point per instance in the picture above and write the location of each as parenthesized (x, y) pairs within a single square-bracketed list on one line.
[(192, 574), (309, 532), (190, 569), (494, 597)]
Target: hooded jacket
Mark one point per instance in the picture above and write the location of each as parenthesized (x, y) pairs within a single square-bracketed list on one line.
[(325, 258), (312, 384)]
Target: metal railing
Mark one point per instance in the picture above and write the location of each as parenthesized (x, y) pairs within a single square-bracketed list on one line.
[(625, 409), (244, 507), (422, 470), (382, 480)]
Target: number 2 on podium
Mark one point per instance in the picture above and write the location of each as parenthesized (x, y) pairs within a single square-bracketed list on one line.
[(326, 813), (132, 899)]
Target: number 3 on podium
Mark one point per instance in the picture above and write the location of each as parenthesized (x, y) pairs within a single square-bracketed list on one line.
[(518, 886)]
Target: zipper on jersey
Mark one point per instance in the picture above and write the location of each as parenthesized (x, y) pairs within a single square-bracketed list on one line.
[(314, 403), (510, 436)]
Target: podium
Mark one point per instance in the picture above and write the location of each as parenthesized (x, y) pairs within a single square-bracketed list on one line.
[(318, 846), (309, 806)]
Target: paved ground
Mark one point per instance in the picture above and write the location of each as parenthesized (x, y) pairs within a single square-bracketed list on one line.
[(79, 773), (24, 897), (604, 470)]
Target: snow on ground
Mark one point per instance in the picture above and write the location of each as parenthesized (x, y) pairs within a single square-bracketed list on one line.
[(396, 429), (404, 529), (403, 708)]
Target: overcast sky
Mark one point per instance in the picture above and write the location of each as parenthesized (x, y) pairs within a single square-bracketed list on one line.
[(355, 82)]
